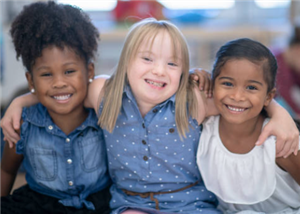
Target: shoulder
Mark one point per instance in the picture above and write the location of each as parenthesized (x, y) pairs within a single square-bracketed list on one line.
[(34, 114), (94, 92)]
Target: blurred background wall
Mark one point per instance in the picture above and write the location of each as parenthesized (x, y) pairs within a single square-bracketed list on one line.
[(206, 24)]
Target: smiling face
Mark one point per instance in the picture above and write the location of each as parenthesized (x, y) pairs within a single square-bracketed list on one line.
[(60, 79), (154, 73), (240, 91)]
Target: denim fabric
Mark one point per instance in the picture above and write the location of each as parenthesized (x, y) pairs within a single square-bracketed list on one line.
[(147, 155), (68, 167)]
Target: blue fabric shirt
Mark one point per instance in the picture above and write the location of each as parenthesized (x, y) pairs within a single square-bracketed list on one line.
[(147, 155), (67, 167)]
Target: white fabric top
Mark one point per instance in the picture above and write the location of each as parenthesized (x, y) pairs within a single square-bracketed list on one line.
[(249, 181)]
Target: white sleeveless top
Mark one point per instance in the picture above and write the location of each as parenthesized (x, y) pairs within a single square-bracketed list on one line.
[(249, 181)]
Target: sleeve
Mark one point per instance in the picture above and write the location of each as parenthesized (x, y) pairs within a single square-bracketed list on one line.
[(23, 133)]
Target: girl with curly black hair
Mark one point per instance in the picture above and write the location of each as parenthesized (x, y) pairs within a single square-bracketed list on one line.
[(61, 145)]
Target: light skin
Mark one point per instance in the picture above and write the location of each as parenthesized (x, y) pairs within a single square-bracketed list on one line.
[(154, 74), (60, 79), (240, 93)]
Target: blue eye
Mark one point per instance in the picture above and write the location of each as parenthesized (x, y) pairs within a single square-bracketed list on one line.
[(251, 87)]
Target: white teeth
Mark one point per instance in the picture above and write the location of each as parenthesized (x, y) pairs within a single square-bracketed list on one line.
[(155, 83), (63, 97), (235, 109)]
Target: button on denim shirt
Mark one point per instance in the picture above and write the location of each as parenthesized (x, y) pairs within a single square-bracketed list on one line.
[(146, 154), (67, 167)]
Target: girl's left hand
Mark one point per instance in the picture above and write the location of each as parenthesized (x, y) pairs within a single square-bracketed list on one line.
[(203, 78), (286, 132)]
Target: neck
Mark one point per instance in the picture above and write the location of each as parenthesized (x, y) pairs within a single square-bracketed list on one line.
[(144, 108), (69, 122), (240, 138)]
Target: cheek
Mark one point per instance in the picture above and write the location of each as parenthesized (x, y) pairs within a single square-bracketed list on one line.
[(218, 93)]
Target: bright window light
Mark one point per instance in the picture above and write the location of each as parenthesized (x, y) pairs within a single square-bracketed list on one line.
[(197, 4), (272, 3), (92, 5)]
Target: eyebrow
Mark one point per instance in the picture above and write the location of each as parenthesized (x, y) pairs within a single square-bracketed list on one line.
[(47, 67), (151, 53), (251, 81)]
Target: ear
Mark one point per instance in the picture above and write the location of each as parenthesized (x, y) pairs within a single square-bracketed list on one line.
[(91, 70), (29, 80), (269, 97)]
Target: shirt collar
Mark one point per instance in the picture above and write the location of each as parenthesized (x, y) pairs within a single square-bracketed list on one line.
[(129, 94), (39, 116)]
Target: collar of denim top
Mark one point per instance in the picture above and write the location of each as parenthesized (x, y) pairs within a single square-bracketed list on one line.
[(39, 116)]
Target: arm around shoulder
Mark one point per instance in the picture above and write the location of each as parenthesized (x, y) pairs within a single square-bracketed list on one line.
[(12, 117), (94, 90), (206, 106), (283, 127)]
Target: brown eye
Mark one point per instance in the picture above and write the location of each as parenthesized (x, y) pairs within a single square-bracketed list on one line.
[(70, 71), (46, 75)]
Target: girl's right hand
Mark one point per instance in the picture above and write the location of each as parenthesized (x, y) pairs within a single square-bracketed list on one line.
[(10, 123), (203, 79)]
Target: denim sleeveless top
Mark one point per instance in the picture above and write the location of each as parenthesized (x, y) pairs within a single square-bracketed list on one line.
[(67, 167), (147, 155)]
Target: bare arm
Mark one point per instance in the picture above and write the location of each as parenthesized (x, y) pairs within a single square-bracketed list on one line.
[(10, 164), (283, 127), (94, 90), (10, 122), (206, 106)]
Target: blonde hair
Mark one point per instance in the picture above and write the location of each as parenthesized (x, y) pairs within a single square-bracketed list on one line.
[(112, 91)]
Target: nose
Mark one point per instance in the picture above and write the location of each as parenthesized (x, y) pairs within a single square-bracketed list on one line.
[(159, 69), (237, 94), (59, 81)]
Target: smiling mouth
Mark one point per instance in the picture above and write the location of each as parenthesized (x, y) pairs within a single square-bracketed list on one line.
[(236, 109), (62, 97), (157, 84)]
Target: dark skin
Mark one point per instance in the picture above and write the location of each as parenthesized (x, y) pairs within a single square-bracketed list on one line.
[(59, 71), (10, 164), (291, 165)]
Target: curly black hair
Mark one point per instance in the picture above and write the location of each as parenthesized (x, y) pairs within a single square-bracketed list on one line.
[(43, 24)]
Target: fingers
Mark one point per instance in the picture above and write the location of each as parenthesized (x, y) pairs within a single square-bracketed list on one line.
[(283, 149), (207, 85), (11, 136), (210, 91), (10, 144), (288, 146), (204, 81), (263, 136), (16, 123)]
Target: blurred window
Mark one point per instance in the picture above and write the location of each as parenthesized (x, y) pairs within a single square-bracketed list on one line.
[(91, 5), (265, 4), (196, 5)]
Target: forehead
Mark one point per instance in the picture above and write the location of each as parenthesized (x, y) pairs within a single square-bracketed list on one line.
[(242, 69), (161, 41), (53, 53)]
